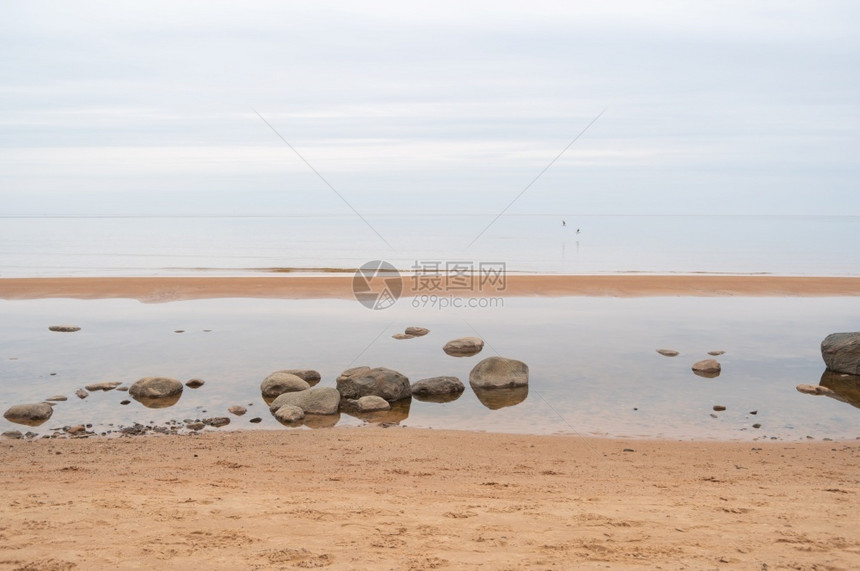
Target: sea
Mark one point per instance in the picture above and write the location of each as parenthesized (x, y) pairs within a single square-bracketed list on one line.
[(593, 361), (547, 244)]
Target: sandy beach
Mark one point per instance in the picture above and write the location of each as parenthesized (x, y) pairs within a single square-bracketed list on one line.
[(163, 289), (398, 498)]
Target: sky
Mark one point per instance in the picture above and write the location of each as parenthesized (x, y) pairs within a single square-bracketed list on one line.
[(141, 108)]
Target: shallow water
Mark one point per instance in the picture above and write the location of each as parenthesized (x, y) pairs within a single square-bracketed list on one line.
[(593, 365)]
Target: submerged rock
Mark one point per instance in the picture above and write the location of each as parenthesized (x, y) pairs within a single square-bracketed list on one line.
[(237, 410), (32, 414), (668, 352), (417, 331), (194, 383), (499, 373), (708, 368), (317, 400), (382, 382), (397, 412), (436, 386), (813, 389), (716, 353), (217, 421), (64, 328), (57, 398), (81, 394), (108, 386), (402, 336), (464, 347), (841, 352)]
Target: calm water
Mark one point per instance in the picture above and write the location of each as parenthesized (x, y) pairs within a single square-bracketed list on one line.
[(594, 369), (788, 245)]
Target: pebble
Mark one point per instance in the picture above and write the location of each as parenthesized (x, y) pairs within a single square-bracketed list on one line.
[(64, 328), (195, 383), (719, 407)]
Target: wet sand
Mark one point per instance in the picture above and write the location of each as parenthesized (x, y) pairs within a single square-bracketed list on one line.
[(399, 498), (163, 289)]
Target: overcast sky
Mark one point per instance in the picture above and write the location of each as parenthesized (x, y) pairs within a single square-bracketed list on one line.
[(149, 107)]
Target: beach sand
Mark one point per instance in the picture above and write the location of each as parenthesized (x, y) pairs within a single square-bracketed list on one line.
[(398, 498), (163, 289)]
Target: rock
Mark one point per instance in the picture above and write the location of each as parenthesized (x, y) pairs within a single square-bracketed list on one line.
[(256, 420), (841, 352), (155, 388), (845, 387), (719, 408), (13, 434), (309, 376), (57, 398), (30, 414), (668, 352), (75, 430), (417, 331), (364, 381), (123, 389), (708, 368), (495, 399), (194, 383), (436, 386), (281, 382), (813, 389), (756, 425), (289, 414), (317, 400), (499, 373), (195, 425), (109, 386), (464, 347), (716, 353), (156, 392), (402, 336), (125, 402), (371, 403), (81, 394), (237, 410), (64, 328), (217, 422)]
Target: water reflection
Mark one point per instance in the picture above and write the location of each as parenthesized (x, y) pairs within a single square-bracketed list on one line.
[(494, 399), (447, 397), (845, 387), (161, 402), (398, 412)]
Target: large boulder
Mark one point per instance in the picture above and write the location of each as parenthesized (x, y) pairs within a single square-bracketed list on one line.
[(281, 382), (363, 381), (464, 347), (841, 352), (155, 388), (30, 414), (499, 373), (317, 400), (435, 386)]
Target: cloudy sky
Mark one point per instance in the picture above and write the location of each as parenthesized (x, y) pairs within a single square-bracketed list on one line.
[(150, 107)]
